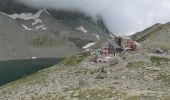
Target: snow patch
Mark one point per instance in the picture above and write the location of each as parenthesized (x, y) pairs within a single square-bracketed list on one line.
[(89, 45), (31, 16), (46, 11), (60, 20), (25, 27), (41, 27), (4, 13), (111, 35), (97, 36), (33, 57), (27, 16), (36, 21), (82, 29)]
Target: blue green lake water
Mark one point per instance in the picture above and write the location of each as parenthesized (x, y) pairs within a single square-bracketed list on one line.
[(15, 69)]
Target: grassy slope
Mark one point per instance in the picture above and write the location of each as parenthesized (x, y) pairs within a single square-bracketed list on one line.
[(95, 93), (156, 36), (40, 76), (143, 35)]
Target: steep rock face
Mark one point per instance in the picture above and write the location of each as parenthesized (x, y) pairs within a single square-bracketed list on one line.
[(75, 19), (12, 6), (16, 42), (12, 38), (27, 32), (157, 36)]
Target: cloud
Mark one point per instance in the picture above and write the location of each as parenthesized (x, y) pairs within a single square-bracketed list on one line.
[(122, 17)]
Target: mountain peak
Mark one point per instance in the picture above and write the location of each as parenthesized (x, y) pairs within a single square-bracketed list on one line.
[(47, 30)]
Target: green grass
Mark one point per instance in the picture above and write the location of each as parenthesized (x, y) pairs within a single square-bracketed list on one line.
[(98, 44), (142, 98), (158, 60), (165, 48), (135, 64), (73, 60), (165, 78), (42, 41), (48, 96), (95, 94)]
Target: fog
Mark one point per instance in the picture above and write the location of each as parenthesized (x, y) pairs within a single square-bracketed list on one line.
[(122, 17)]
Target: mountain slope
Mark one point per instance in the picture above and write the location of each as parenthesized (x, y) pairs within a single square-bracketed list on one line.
[(157, 36), (12, 38), (18, 42), (12, 6), (29, 32), (138, 77), (77, 19)]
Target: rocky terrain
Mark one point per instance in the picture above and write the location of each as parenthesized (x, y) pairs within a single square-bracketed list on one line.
[(26, 32), (44, 33), (137, 76), (156, 36)]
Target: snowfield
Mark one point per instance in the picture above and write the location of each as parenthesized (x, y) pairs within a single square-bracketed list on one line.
[(82, 29), (26, 16), (30, 16), (26, 28), (97, 36), (89, 45)]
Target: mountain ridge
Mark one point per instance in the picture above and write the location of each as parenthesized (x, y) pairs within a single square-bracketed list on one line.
[(156, 36), (45, 33)]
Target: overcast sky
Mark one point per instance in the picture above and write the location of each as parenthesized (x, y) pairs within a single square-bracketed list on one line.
[(122, 17)]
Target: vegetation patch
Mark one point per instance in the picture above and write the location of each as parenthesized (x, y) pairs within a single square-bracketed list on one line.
[(135, 64), (165, 78), (80, 42), (73, 60), (42, 41), (142, 98), (48, 96), (165, 48), (98, 44), (95, 94), (158, 60)]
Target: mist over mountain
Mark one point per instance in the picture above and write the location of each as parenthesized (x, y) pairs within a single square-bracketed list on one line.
[(44, 25), (122, 17), (13, 6)]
